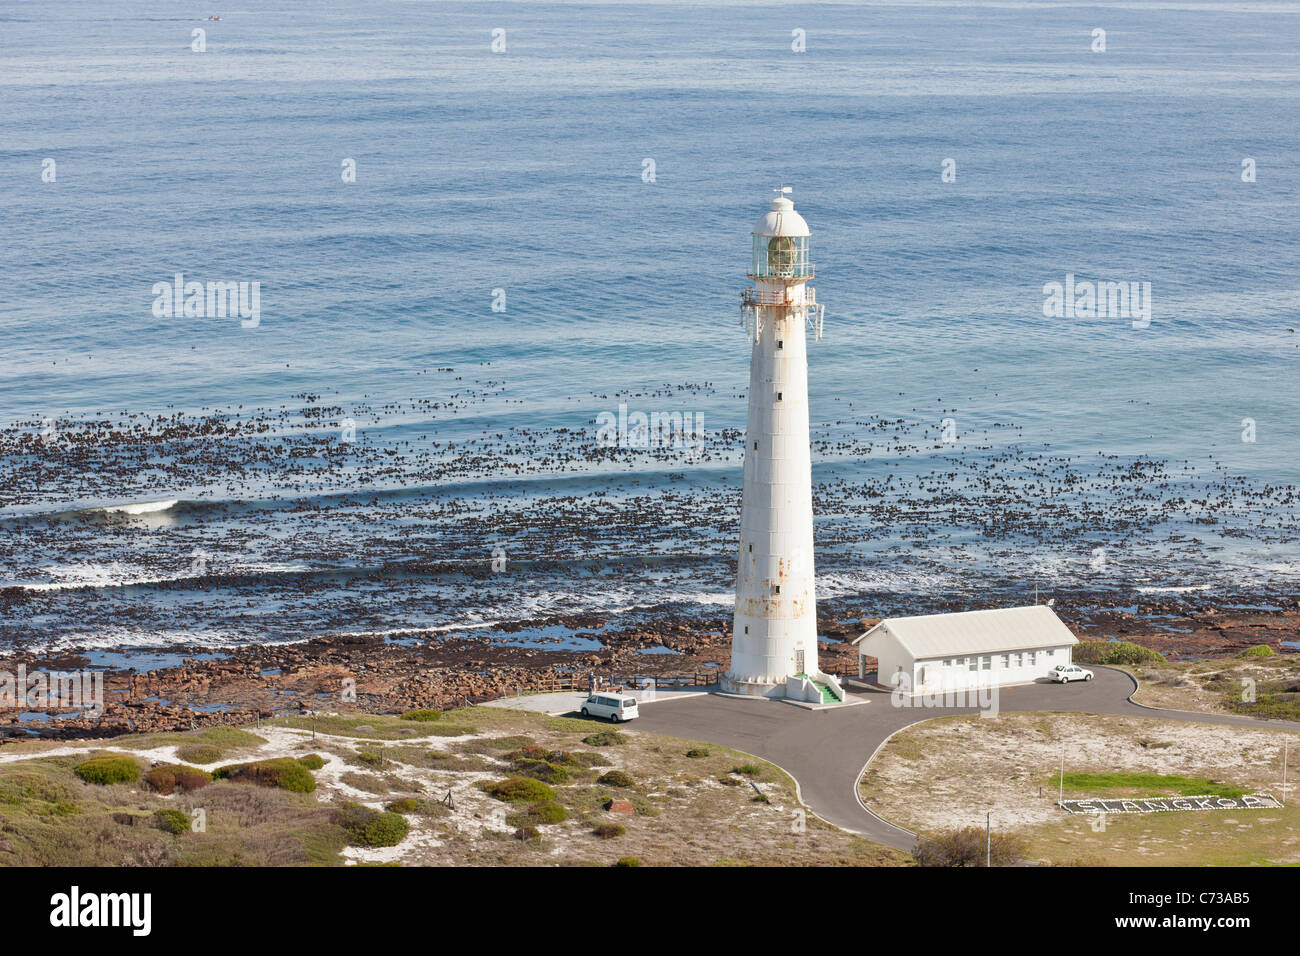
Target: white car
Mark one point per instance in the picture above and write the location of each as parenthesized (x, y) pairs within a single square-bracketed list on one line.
[(614, 707), (1064, 673)]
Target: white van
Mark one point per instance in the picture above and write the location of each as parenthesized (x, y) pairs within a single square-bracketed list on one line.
[(615, 707)]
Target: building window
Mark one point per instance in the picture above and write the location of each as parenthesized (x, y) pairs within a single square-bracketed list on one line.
[(986, 663), (1006, 660), (973, 663), (947, 663), (1020, 660), (1033, 658)]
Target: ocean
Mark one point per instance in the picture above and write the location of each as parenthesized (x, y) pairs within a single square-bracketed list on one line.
[(465, 256)]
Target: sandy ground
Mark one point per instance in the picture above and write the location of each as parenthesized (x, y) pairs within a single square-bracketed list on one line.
[(948, 773)]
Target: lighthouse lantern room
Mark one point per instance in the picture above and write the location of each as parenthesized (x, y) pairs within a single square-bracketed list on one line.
[(774, 631)]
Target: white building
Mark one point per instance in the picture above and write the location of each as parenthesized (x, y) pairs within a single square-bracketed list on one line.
[(940, 652), (774, 630)]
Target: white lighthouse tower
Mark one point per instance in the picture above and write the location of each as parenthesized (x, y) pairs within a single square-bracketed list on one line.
[(774, 633)]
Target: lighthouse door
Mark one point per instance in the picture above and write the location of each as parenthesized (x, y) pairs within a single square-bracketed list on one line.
[(798, 661)]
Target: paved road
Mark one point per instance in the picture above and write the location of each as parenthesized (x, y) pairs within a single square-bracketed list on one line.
[(826, 750)]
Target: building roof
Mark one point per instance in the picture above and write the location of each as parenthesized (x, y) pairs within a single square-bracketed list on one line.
[(977, 632)]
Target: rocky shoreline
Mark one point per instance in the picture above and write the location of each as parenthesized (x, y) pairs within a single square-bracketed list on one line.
[(375, 674)]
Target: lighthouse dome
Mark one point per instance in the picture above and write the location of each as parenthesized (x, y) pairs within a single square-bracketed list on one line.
[(781, 220)]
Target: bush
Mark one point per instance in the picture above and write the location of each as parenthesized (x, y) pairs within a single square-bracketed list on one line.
[(748, 770), (607, 831), (283, 772), (373, 828), (312, 761), (110, 768), (967, 847), (528, 835), (520, 789), (404, 805), (1115, 652), (172, 821), (548, 812), (696, 752), (549, 772), (1259, 650), (167, 778), (615, 778), (422, 715), (628, 861), (198, 753), (606, 738)]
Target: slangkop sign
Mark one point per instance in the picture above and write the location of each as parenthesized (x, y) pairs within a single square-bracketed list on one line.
[(1249, 801)]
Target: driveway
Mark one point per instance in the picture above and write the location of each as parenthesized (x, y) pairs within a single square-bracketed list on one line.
[(827, 750)]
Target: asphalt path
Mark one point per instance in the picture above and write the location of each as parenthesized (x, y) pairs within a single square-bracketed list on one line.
[(826, 750)]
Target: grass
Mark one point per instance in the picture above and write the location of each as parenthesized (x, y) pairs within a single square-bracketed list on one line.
[(109, 768), (1154, 783), (378, 726)]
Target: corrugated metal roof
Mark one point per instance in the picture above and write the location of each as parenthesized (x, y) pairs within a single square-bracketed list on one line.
[(977, 632)]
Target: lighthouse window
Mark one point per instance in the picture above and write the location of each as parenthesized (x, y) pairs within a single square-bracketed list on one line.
[(780, 344), (746, 628), (776, 589), (751, 549), (778, 396), (755, 446)]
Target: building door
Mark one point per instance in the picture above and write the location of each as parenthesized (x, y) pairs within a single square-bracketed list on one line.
[(798, 661)]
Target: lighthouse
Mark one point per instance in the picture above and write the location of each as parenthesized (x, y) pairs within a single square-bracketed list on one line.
[(774, 630)]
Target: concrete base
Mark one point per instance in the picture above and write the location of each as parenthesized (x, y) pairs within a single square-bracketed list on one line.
[(749, 688)]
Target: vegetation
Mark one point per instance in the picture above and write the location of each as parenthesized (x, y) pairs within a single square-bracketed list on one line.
[(1259, 650), (968, 847), (423, 716), (697, 752), (607, 831), (628, 861), (167, 778), (1115, 652), (605, 738), (748, 770), (615, 778), (540, 814), (404, 805), (109, 768), (367, 827), (1148, 782), (199, 753), (283, 772), (519, 789), (171, 821), (312, 761)]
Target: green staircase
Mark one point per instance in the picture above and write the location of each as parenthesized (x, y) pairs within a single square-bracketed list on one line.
[(828, 695)]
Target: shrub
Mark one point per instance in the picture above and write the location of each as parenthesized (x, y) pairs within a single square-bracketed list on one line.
[(759, 798), (110, 768), (422, 715), (1115, 652), (605, 738), (628, 861), (198, 753), (696, 752), (615, 778), (371, 758), (607, 831), (1259, 650), (172, 821), (730, 782), (519, 789), (167, 778), (404, 805), (365, 826), (548, 812), (528, 834), (748, 770), (549, 772), (283, 772), (312, 761), (967, 847)]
